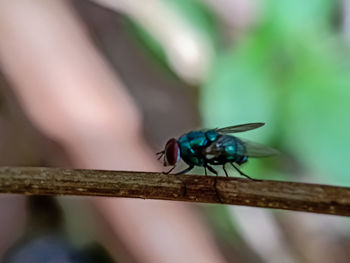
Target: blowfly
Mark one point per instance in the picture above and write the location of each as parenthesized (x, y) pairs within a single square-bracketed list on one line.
[(214, 147)]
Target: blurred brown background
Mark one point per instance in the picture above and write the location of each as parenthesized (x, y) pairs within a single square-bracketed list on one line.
[(103, 84)]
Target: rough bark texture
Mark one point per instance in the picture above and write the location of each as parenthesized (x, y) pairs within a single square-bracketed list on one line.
[(204, 189)]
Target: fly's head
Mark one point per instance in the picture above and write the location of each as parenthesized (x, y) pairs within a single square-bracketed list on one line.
[(171, 153)]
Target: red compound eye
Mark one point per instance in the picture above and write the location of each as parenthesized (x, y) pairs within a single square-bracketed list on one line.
[(172, 152)]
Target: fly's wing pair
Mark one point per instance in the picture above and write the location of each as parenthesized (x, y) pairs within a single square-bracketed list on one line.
[(257, 150), (250, 149), (240, 127)]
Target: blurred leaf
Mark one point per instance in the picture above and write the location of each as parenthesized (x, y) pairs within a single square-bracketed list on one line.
[(199, 16), (191, 11), (318, 108), (238, 91), (292, 72), (299, 18)]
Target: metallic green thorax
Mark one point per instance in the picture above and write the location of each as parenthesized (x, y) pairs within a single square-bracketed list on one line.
[(193, 144)]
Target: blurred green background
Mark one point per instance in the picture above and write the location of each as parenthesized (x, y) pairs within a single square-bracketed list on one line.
[(289, 69), (205, 64), (286, 65)]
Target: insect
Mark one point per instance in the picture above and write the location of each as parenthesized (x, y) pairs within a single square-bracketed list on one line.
[(214, 147)]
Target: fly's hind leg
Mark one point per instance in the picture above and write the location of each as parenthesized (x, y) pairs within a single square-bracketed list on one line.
[(243, 174)]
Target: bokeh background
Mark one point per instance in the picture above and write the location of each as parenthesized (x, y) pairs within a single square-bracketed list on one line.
[(103, 84)]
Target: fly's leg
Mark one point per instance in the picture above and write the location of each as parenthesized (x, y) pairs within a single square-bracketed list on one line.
[(223, 167), (205, 171), (168, 172), (186, 170), (215, 181), (211, 169), (243, 174)]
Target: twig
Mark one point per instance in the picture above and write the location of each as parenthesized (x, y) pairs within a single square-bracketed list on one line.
[(205, 189)]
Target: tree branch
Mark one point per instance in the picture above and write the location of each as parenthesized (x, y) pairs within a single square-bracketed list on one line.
[(204, 189)]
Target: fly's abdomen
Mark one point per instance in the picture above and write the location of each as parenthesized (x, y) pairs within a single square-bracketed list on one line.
[(240, 159), (226, 149), (236, 152)]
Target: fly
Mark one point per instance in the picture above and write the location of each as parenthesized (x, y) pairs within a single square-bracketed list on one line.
[(214, 147)]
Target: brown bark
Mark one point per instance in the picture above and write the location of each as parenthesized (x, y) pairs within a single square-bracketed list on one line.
[(204, 189)]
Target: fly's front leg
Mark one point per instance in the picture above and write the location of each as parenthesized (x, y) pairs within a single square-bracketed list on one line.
[(211, 169), (168, 172), (186, 170)]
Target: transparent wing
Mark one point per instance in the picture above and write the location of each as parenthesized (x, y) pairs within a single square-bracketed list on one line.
[(256, 150), (242, 147), (240, 127), (218, 147)]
